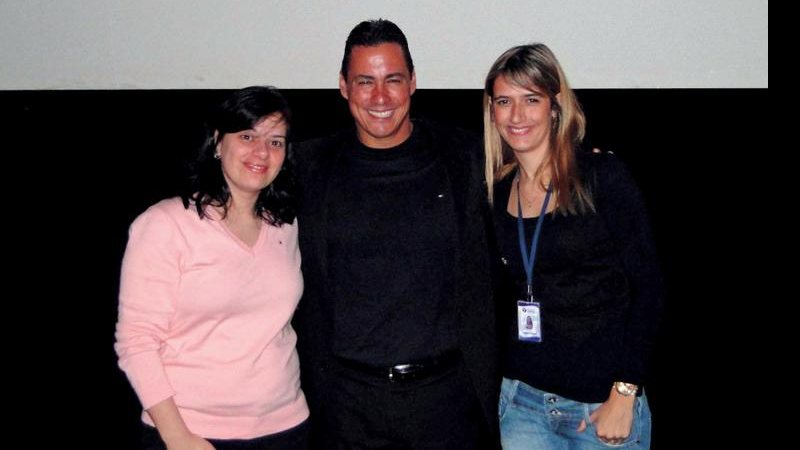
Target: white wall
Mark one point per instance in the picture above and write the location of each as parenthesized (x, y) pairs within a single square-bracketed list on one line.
[(203, 44)]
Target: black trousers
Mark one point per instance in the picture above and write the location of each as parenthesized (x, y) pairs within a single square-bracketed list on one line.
[(296, 438), (439, 412)]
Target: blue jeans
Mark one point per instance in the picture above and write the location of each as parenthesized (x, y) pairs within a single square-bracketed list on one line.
[(534, 419)]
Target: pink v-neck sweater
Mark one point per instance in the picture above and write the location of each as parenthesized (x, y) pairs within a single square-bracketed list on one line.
[(205, 319)]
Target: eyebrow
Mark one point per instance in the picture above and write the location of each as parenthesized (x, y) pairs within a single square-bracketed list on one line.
[(372, 77), (271, 136), (527, 94)]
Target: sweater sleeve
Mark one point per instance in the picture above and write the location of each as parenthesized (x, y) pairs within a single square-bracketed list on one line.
[(620, 203), (148, 289)]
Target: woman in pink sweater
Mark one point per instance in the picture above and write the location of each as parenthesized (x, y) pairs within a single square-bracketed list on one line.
[(209, 285)]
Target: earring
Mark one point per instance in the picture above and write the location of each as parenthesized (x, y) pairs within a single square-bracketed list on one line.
[(217, 156)]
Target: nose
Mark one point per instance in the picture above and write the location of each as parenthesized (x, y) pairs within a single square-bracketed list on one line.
[(379, 94), (264, 149), (517, 113)]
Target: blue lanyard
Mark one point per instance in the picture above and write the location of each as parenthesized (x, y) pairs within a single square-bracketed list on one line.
[(528, 259)]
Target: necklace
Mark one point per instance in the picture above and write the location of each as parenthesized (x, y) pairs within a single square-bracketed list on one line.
[(528, 203)]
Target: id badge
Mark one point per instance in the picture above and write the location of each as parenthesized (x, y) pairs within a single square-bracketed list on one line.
[(529, 321)]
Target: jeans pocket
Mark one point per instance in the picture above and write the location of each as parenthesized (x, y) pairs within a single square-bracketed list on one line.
[(506, 395), (633, 436)]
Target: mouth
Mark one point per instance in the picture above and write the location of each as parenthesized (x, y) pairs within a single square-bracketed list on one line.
[(380, 114), (518, 131), (256, 168)]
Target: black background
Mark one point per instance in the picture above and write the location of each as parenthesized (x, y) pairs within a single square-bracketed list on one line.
[(83, 164)]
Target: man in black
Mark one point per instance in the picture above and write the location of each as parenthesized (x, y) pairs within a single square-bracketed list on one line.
[(396, 327)]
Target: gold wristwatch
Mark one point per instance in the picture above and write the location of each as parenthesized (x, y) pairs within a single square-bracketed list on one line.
[(626, 389)]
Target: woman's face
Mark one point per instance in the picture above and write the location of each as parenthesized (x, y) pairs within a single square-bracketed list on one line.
[(251, 159), (523, 116)]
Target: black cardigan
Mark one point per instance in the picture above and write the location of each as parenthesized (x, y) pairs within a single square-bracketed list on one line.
[(598, 281)]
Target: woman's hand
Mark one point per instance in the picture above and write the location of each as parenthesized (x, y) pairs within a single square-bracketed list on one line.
[(173, 430), (613, 419), (189, 442)]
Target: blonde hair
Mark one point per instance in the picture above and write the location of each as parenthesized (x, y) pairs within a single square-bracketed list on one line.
[(535, 66)]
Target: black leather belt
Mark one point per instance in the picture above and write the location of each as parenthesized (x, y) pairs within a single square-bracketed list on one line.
[(414, 370)]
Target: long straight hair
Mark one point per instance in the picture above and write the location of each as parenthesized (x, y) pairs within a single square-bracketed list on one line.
[(534, 66)]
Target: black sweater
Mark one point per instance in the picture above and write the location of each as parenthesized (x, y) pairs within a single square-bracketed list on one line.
[(471, 301), (598, 282), (391, 231)]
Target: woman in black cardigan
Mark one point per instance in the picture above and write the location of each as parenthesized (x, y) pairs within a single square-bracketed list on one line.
[(580, 290)]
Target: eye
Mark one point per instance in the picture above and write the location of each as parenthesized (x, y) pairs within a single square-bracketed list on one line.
[(277, 144), (501, 101), (364, 82), (246, 137), (533, 99)]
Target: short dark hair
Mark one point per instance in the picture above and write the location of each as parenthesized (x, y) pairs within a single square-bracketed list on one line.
[(370, 33), (241, 110)]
